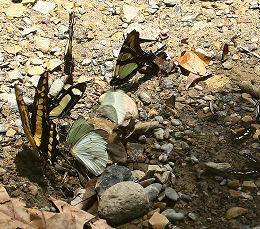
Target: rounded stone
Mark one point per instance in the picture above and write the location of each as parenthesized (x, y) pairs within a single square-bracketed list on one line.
[(123, 202)]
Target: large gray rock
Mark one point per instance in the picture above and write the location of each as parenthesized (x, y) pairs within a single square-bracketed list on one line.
[(123, 202), (112, 175)]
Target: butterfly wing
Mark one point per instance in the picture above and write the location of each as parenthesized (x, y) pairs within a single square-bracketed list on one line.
[(79, 128), (113, 106), (90, 150), (68, 59), (26, 122), (130, 58), (44, 130), (69, 94), (66, 100)]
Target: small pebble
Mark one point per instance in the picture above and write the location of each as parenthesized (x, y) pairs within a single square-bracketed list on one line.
[(171, 194), (144, 97), (158, 133)]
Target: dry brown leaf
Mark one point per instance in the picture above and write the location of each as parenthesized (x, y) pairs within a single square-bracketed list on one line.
[(170, 102), (100, 224), (185, 41), (191, 79), (102, 124), (142, 127), (84, 198), (14, 214), (225, 52), (194, 62)]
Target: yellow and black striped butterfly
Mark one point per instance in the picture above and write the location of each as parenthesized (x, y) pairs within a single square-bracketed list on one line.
[(39, 129), (70, 94)]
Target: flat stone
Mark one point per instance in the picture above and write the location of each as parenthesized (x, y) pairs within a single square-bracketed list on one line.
[(27, 31), (158, 221), (173, 216), (129, 13), (3, 128), (162, 178), (43, 44), (112, 175), (193, 216), (222, 167), (144, 97), (15, 10), (44, 7), (158, 133), (248, 185), (35, 70), (170, 2), (138, 175), (153, 190), (13, 49), (10, 132), (14, 75), (37, 61), (54, 64), (27, 21), (235, 212)]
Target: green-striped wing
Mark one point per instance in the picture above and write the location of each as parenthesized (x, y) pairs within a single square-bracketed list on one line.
[(79, 128), (130, 58)]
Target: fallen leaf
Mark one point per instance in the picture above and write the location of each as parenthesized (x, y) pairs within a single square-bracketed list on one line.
[(102, 124), (14, 214), (164, 65), (194, 62), (116, 150), (84, 198), (185, 41), (100, 224), (170, 102), (225, 52), (191, 79)]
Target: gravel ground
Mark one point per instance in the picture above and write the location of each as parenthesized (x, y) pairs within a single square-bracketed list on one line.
[(190, 135)]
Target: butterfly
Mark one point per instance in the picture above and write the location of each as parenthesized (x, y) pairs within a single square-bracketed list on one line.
[(39, 129), (243, 134), (255, 163), (132, 59), (88, 146), (70, 94)]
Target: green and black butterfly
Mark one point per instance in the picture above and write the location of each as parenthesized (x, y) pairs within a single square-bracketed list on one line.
[(70, 94), (39, 129), (132, 59)]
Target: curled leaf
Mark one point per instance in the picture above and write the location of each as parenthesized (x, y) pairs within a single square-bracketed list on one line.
[(194, 62)]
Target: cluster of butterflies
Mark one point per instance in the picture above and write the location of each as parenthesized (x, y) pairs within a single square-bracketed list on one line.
[(89, 146)]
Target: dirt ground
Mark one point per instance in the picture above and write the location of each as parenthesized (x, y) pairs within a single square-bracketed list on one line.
[(98, 32)]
